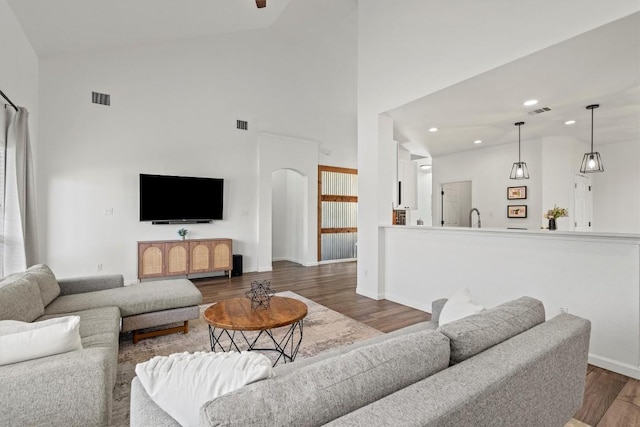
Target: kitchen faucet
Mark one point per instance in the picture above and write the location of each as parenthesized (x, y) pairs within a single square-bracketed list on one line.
[(471, 215)]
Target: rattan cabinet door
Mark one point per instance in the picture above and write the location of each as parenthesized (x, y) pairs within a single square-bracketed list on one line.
[(200, 256), (176, 258)]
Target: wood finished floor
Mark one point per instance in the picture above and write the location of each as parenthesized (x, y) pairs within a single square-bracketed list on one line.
[(610, 399)]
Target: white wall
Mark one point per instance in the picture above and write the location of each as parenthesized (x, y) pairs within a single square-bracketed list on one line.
[(488, 170), (424, 211), (279, 215), (561, 158), (408, 49), (18, 67), (616, 191), (288, 203), (173, 111), (595, 277)]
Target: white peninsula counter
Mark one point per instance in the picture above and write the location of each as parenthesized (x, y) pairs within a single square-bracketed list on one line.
[(592, 275)]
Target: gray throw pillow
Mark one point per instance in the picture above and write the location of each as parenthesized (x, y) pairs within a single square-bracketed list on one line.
[(20, 299), (49, 287)]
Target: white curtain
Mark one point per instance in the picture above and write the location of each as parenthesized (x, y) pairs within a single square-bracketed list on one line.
[(19, 235)]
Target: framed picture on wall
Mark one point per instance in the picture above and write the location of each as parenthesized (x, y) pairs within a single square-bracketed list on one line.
[(517, 211), (515, 193)]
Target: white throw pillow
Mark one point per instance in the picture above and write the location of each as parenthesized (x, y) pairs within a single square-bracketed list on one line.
[(20, 341), (458, 306), (181, 383)]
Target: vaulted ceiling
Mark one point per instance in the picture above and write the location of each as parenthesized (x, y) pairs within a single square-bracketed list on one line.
[(601, 66)]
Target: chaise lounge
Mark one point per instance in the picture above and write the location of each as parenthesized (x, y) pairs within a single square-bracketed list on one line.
[(75, 388)]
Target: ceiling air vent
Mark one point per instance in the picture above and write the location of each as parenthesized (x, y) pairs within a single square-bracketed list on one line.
[(100, 98), (540, 110), (242, 125)]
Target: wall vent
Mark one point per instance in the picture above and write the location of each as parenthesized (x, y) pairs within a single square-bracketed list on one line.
[(540, 110), (242, 124), (100, 98)]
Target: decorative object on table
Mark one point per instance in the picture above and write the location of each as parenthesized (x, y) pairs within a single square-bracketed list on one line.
[(183, 233), (515, 193), (519, 169), (553, 214), (260, 294), (591, 162), (516, 211)]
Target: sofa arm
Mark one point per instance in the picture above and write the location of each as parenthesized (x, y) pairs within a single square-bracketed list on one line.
[(436, 309), (70, 389), (77, 285)]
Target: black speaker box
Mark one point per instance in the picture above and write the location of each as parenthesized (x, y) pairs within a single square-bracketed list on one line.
[(237, 265)]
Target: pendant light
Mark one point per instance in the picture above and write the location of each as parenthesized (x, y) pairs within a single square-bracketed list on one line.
[(591, 162), (519, 169)]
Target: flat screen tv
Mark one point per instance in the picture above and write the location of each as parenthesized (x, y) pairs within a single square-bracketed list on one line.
[(180, 199)]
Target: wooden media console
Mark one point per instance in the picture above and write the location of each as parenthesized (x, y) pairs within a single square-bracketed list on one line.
[(182, 257)]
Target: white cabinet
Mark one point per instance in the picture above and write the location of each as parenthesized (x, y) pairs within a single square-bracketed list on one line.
[(406, 187)]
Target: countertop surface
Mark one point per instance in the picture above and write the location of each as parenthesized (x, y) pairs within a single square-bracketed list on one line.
[(511, 232)]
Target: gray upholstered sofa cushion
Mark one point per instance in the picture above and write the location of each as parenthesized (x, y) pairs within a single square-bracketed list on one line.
[(69, 389), (95, 321), (476, 333), (79, 285), (533, 379), (42, 274), (20, 299), (139, 298), (99, 328), (291, 368), (330, 388)]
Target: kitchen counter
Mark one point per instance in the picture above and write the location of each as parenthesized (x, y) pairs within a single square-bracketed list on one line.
[(593, 275), (522, 233)]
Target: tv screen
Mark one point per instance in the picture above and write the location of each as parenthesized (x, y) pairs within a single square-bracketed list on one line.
[(165, 199)]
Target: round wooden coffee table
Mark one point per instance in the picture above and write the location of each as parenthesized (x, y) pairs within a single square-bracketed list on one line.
[(235, 315)]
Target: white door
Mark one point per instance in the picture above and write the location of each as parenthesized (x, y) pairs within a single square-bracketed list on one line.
[(456, 204), (451, 203), (583, 197)]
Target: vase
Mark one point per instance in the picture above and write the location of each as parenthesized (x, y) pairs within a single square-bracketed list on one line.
[(552, 224)]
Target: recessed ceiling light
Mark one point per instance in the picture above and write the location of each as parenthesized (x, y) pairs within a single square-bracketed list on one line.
[(569, 122), (531, 102), (426, 167), (433, 130), (477, 141)]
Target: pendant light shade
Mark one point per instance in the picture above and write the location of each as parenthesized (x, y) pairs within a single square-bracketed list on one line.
[(591, 162), (519, 169)]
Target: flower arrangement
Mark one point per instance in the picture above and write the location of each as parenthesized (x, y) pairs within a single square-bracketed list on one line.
[(556, 212), (183, 233)]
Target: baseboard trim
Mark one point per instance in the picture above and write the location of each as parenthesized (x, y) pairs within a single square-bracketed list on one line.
[(336, 261), (408, 302), (368, 294), (296, 261), (615, 366), (265, 269)]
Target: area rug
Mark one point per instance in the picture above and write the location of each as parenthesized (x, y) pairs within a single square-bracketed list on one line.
[(323, 329)]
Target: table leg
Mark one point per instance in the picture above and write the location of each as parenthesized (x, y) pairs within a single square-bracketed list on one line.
[(289, 341)]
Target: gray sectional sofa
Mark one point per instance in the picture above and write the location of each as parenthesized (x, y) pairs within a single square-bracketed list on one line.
[(505, 366), (75, 388)]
